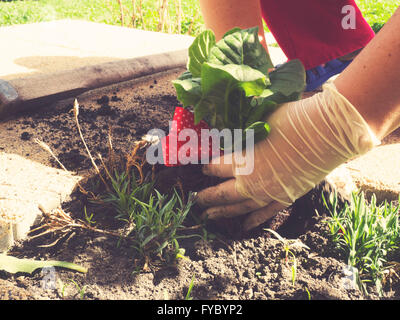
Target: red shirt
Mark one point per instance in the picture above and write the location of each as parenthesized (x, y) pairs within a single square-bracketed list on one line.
[(316, 31)]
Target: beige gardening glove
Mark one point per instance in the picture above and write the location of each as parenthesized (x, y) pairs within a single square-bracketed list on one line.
[(309, 138)]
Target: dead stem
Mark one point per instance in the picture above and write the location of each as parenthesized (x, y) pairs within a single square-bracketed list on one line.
[(76, 114), (133, 18), (132, 161), (121, 12), (105, 167), (192, 23), (153, 173), (111, 154), (47, 148), (163, 15), (180, 187), (59, 221), (140, 11)]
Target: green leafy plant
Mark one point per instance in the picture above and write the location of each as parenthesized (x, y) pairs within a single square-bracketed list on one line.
[(366, 233), (228, 83)]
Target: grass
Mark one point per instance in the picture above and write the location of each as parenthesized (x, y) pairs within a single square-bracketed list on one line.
[(178, 17), (174, 16), (377, 12), (189, 292), (367, 233)]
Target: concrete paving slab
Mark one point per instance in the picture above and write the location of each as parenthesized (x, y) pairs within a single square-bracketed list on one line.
[(53, 60), (377, 172), (27, 189), (47, 47)]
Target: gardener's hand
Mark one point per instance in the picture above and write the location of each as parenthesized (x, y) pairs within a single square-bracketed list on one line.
[(308, 139), (224, 201)]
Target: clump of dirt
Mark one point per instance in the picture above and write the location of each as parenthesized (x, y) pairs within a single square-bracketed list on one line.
[(231, 266)]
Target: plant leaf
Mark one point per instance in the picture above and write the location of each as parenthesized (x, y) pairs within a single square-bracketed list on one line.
[(288, 81), (261, 130), (260, 108), (13, 265), (224, 89), (252, 81), (199, 51), (241, 47), (188, 91)]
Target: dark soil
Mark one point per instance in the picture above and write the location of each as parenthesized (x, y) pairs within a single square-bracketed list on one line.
[(232, 266)]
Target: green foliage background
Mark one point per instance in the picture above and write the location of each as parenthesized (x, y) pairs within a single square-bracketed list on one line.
[(376, 12)]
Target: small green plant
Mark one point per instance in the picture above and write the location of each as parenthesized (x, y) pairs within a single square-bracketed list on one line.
[(365, 233), (156, 223), (287, 246), (125, 194), (188, 294), (308, 293), (80, 290), (88, 217), (154, 218)]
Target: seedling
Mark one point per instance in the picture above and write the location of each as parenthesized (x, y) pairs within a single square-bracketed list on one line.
[(365, 233), (80, 290), (188, 294), (125, 192), (156, 223), (88, 217), (308, 294), (287, 246)]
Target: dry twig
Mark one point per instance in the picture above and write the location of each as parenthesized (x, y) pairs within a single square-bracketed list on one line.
[(121, 12), (61, 223)]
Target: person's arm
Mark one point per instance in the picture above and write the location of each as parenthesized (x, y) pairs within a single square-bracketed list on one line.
[(223, 15), (372, 81), (311, 137)]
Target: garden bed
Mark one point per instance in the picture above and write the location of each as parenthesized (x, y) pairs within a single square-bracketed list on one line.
[(230, 266)]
